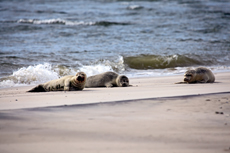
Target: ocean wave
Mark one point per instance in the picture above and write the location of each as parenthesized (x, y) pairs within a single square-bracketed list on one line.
[(135, 7), (101, 66), (54, 21), (162, 62), (42, 73), (137, 66), (30, 75), (70, 23)]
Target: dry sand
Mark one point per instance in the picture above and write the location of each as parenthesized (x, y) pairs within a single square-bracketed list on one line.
[(154, 115)]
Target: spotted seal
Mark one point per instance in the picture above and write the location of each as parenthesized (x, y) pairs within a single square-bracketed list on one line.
[(107, 79), (66, 83), (199, 75)]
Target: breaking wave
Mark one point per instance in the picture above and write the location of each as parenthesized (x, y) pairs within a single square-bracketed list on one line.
[(71, 23), (135, 66), (54, 21), (134, 7), (42, 73), (171, 61)]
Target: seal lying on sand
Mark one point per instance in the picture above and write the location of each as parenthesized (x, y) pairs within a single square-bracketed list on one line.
[(199, 75), (66, 83), (107, 79)]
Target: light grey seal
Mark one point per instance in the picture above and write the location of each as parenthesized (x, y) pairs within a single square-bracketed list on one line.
[(107, 79), (199, 75), (66, 83)]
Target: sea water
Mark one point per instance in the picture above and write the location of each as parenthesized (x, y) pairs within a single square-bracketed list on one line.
[(45, 40)]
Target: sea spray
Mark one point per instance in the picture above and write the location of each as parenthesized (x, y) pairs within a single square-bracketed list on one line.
[(101, 66), (95, 69), (30, 75), (42, 73), (70, 23), (55, 21)]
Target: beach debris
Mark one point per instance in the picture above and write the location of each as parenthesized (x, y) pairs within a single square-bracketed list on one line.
[(208, 100), (219, 112), (16, 100)]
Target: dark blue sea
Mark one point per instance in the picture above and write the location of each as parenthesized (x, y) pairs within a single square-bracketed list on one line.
[(41, 40)]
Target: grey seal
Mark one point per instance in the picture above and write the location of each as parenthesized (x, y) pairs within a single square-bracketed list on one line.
[(107, 79), (66, 83), (199, 75)]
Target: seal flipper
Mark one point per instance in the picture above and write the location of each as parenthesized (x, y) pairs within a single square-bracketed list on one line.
[(109, 85), (38, 88)]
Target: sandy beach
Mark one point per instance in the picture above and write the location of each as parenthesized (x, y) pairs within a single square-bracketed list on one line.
[(153, 115)]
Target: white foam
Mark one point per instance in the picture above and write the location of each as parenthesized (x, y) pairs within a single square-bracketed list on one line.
[(103, 66), (171, 72), (169, 59), (79, 23), (42, 73), (10, 83), (134, 7), (55, 21), (95, 69), (30, 75)]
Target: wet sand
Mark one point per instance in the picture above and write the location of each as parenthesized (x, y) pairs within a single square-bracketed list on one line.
[(154, 115)]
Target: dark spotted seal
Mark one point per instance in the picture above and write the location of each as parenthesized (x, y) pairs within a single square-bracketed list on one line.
[(199, 75), (107, 79), (66, 83)]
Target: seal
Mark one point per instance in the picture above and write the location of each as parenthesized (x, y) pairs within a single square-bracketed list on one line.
[(107, 79), (66, 83), (199, 75)]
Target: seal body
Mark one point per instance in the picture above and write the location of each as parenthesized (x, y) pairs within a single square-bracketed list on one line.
[(107, 79), (199, 75), (66, 83)]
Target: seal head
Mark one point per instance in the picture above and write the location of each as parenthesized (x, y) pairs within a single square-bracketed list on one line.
[(78, 81), (199, 75), (189, 75), (122, 81)]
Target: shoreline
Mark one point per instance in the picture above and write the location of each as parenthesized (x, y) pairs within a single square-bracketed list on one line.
[(142, 88), (144, 74)]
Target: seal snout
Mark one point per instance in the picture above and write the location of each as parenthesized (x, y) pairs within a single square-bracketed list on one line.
[(124, 85), (80, 78), (186, 79)]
